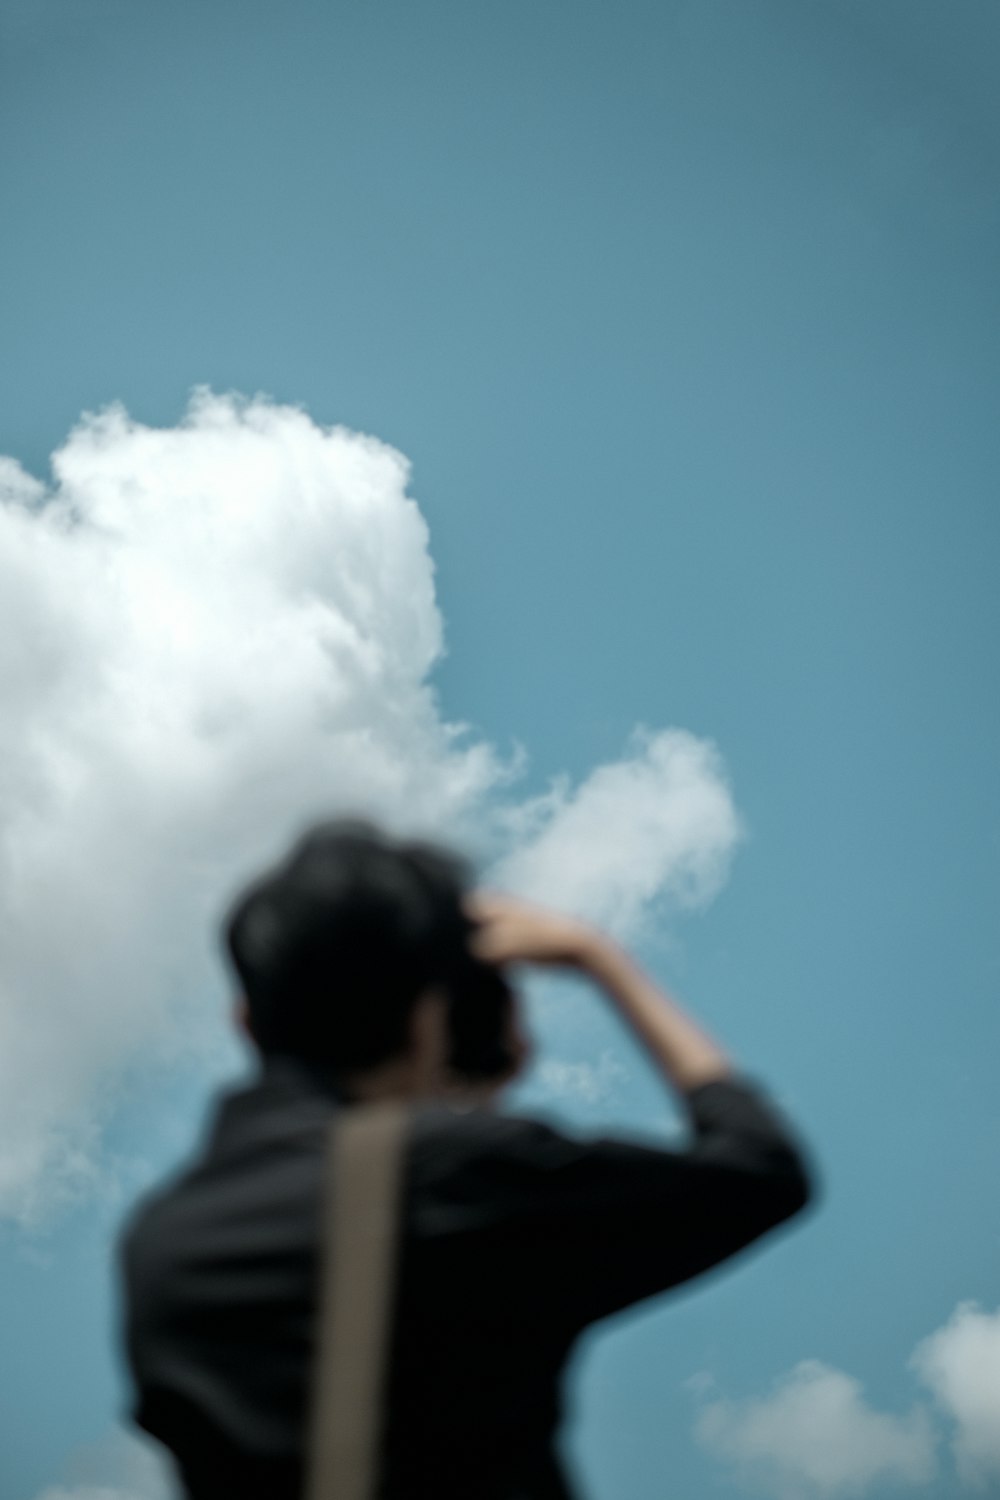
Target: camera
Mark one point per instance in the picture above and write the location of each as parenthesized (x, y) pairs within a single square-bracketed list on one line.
[(481, 1003)]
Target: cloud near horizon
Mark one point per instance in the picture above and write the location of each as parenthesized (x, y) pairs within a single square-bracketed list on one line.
[(815, 1436), (209, 635), (960, 1364)]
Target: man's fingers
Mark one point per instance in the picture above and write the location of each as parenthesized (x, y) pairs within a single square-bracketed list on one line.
[(481, 903), (485, 942)]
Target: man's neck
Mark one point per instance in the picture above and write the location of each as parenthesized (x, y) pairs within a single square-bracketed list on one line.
[(397, 1079)]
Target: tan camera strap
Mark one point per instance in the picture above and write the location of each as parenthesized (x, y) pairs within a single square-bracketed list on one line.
[(360, 1224)]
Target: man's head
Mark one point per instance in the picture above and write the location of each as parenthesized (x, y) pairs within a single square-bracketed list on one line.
[(342, 947)]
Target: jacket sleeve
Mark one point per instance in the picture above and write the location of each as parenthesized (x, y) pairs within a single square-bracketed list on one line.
[(602, 1223)]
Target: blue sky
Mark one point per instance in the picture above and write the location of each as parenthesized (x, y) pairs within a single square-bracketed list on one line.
[(685, 316)]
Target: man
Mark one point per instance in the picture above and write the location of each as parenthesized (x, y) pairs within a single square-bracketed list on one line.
[(370, 968)]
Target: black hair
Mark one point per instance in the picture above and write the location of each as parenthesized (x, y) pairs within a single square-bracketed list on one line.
[(333, 945)]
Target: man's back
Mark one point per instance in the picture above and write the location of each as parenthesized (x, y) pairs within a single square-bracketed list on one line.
[(513, 1239)]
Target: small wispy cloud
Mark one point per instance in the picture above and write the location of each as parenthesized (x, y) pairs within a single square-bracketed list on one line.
[(122, 1465), (90, 1492), (211, 634), (657, 827), (592, 1082)]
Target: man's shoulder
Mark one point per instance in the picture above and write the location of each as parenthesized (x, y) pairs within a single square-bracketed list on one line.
[(260, 1159), (496, 1161), (255, 1145), (481, 1131)]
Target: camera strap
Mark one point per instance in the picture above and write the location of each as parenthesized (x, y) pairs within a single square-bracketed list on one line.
[(361, 1192)]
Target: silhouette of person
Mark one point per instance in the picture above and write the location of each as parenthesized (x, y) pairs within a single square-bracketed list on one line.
[(372, 967)]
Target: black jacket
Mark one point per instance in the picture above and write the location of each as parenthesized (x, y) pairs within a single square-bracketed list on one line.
[(514, 1238)]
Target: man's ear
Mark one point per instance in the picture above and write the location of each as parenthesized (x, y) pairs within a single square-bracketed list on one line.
[(517, 1042), (428, 1027), (241, 1018), (522, 1047)]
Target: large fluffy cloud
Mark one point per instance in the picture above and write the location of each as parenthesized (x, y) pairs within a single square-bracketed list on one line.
[(815, 1437), (210, 634)]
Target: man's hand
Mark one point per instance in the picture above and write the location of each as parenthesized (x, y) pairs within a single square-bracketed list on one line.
[(509, 930), (513, 931)]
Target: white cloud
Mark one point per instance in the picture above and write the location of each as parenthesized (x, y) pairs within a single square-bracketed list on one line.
[(92, 1492), (123, 1465), (815, 1437), (588, 1081), (209, 635), (659, 824), (960, 1363), (88, 1492)]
